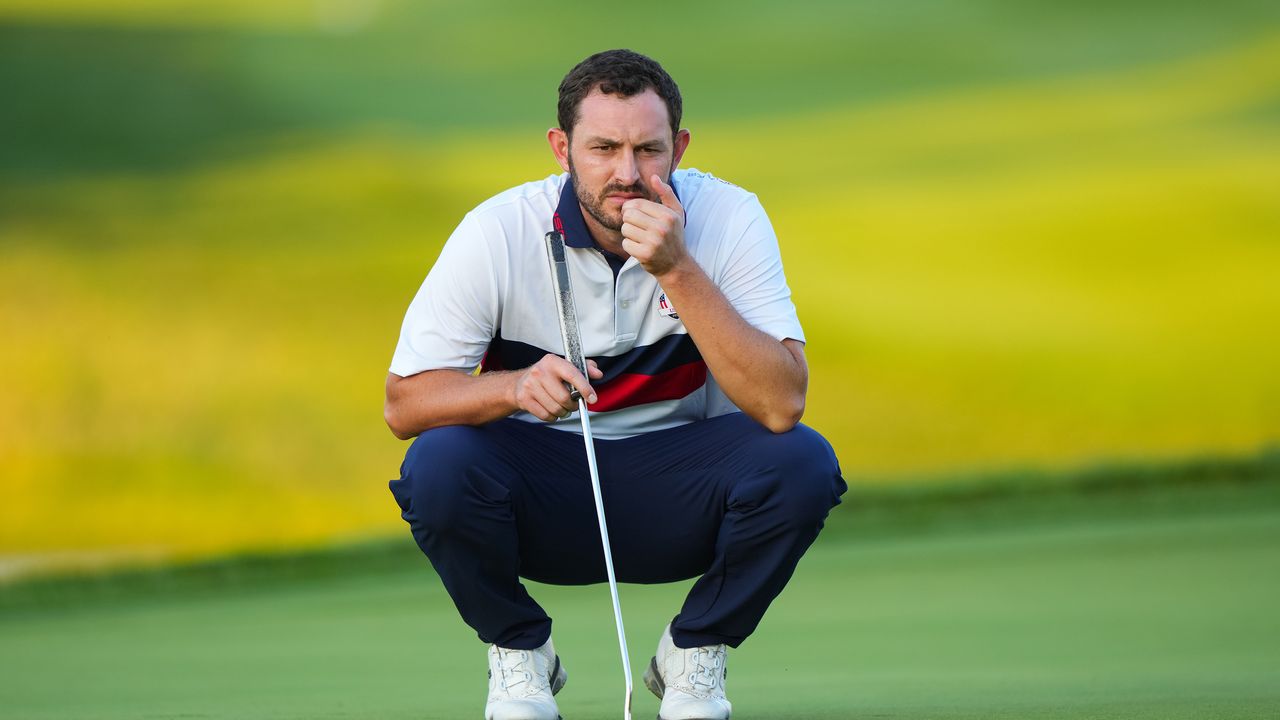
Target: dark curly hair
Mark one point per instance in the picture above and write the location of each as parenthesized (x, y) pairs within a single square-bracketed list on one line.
[(616, 72)]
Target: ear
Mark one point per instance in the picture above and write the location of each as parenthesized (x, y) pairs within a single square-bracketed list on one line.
[(681, 144), (559, 141)]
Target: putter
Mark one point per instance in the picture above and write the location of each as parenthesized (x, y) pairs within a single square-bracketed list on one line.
[(573, 353)]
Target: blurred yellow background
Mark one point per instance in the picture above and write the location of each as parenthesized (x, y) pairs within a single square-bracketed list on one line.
[(1039, 235)]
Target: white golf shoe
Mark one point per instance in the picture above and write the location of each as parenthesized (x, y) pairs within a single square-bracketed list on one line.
[(690, 681), (522, 683)]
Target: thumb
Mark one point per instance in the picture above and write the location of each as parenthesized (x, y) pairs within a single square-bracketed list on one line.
[(665, 193)]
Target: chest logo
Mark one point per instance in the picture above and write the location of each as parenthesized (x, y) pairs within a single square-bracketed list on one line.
[(665, 307)]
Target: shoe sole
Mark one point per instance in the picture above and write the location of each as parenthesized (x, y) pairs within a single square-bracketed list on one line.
[(559, 676), (653, 680)]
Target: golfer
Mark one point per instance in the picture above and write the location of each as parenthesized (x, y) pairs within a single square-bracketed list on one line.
[(696, 382)]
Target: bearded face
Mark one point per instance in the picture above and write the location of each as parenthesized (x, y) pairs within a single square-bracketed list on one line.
[(605, 204)]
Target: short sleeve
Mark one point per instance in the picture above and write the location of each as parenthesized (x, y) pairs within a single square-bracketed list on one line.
[(454, 317), (752, 278)]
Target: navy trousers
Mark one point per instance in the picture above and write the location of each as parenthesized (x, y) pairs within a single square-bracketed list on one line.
[(722, 498)]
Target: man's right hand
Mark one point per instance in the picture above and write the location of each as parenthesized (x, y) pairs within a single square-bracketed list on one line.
[(540, 389)]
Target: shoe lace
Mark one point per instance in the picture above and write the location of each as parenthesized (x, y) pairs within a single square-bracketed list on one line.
[(708, 667), (512, 669)]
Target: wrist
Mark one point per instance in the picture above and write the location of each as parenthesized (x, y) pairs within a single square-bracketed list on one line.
[(679, 272), (511, 390)]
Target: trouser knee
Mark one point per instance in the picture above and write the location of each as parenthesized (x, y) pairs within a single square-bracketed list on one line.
[(800, 481), (438, 477)]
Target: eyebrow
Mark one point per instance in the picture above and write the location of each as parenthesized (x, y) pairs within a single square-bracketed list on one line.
[(610, 142)]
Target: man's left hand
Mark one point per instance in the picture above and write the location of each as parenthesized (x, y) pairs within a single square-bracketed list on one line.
[(653, 233)]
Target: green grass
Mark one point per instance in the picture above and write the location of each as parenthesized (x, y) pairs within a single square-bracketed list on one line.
[(1122, 593)]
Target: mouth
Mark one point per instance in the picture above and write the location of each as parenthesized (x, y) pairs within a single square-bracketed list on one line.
[(621, 198)]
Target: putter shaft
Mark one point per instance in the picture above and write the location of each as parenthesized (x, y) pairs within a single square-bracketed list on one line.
[(608, 552)]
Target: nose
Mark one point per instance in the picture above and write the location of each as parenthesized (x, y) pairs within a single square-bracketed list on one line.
[(626, 171)]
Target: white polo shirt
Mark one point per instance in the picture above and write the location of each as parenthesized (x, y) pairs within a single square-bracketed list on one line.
[(488, 301)]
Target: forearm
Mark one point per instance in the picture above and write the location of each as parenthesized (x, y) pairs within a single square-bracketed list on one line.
[(436, 398), (764, 377)]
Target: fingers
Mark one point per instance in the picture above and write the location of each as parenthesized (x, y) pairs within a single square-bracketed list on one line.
[(653, 234), (580, 382), (665, 193), (541, 390), (594, 371), (660, 218), (647, 221), (638, 236), (642, 210), (546, 405)]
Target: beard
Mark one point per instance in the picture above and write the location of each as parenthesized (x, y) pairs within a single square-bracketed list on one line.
[(594, 204)]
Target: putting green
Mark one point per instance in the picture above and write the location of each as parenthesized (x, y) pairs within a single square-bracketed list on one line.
[(1149, 603)]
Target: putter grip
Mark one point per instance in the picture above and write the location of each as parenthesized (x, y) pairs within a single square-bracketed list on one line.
[(566, 309)]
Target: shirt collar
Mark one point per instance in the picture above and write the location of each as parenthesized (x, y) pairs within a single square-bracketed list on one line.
[(568, 219)]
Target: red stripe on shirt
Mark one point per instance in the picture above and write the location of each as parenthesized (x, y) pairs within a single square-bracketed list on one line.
[(629, 389)]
